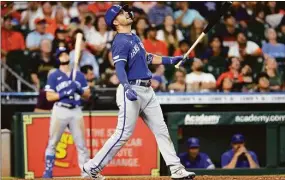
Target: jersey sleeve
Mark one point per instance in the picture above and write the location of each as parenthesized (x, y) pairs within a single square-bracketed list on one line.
[(208, 164), (225, 160), (51, 83), (120, 51), (83, 82), (254, 157)]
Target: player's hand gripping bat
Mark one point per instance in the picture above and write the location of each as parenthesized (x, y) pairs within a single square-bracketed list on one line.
[(77, 51), (212, 22)]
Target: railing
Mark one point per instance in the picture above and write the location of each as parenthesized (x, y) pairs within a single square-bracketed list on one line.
[(5, 87)]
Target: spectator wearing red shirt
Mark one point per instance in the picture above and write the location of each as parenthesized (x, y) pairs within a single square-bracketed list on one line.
[(152, 45), (56, 22), (233, 73), (10, 39), (99, 7), (7, 8)]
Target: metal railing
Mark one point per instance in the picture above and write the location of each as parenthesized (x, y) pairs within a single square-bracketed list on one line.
[(5, 87)]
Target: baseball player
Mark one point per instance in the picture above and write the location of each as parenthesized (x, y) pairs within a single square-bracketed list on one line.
[(135, 97), (194, 158), (66, 111)]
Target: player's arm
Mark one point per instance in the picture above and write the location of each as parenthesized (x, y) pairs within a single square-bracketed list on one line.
[(50, 89), (155, 59)]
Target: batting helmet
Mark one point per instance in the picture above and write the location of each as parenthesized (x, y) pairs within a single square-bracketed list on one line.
[(112, 13)]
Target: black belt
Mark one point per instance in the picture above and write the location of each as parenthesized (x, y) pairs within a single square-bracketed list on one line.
[(68, 106), (140, 82)]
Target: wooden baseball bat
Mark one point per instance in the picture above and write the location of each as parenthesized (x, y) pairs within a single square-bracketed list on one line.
[(212, 22), (77, 51)]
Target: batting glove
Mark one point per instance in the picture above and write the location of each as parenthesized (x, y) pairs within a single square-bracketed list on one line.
[(130, 93), (171, 60)]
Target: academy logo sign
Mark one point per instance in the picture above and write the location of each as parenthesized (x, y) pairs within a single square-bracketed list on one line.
[(260, 118), (201, 119)]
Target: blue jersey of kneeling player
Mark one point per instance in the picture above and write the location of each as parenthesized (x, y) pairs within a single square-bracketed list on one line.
[(129, 48), (58, 82), (202, 161)]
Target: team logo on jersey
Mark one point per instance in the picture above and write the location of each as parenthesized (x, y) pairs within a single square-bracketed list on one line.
[(135, 50)]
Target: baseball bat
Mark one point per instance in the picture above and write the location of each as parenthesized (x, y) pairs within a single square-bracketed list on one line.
[(212, 22), (77, 51)]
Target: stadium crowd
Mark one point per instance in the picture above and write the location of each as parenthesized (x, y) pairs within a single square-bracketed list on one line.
[(244, 52)]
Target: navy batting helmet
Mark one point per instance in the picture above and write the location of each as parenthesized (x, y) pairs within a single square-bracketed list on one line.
[(113, 11)]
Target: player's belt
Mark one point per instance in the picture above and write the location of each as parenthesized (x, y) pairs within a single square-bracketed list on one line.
[(65, 105), (140, 82)]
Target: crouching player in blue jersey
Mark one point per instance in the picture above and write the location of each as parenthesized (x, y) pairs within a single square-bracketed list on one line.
[(135, 97), (66, 111)]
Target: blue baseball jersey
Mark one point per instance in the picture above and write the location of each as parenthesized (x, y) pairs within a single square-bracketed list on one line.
[(241, 162), (129, 48), (202, 161), (59, 82)]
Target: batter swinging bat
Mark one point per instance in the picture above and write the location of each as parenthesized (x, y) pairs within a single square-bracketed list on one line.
[(76, 54), (212, 22)]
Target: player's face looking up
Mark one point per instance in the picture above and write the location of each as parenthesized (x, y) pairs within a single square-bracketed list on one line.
[(123, 19)]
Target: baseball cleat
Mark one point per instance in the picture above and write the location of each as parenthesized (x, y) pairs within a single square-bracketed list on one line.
[(93, 175), (183, 174), (47, 174)]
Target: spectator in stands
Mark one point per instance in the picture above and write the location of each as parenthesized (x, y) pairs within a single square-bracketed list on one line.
[(144, 5), (183, 47), (158, 81), (10, 40), (86, 58), (101, 38), (273, 48), (57, 21), (228, 30), (233, 73), (244, 48), (215, 56), (140, 27), (281, 31), (185, 16), (275, 78), (239, 156), (82, 10), (153, 45), (43, 105), (257, 25), (89, 29), (244, 13), (227, 85), (42, 63), (8, 9), (34, 38), (60, 39), (179, 83), (262, 81), (170, 35), (111, 79), (88, 72), (273, 13), (193, 158), (194, 32), (157, 13), (248, 84), (48, 10), (29, 16), (99, 7), (197, 80)]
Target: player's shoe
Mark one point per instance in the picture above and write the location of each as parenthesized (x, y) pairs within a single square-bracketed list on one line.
[(93, 175), (183, 174), (47, 174)]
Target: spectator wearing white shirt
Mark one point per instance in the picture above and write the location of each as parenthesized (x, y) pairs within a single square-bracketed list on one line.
[(244, 48), (33, 12), (170, 34), (197, 80)]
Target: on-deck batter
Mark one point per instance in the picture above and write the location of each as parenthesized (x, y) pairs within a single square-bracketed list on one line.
[(135, 97), (66, 111)]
